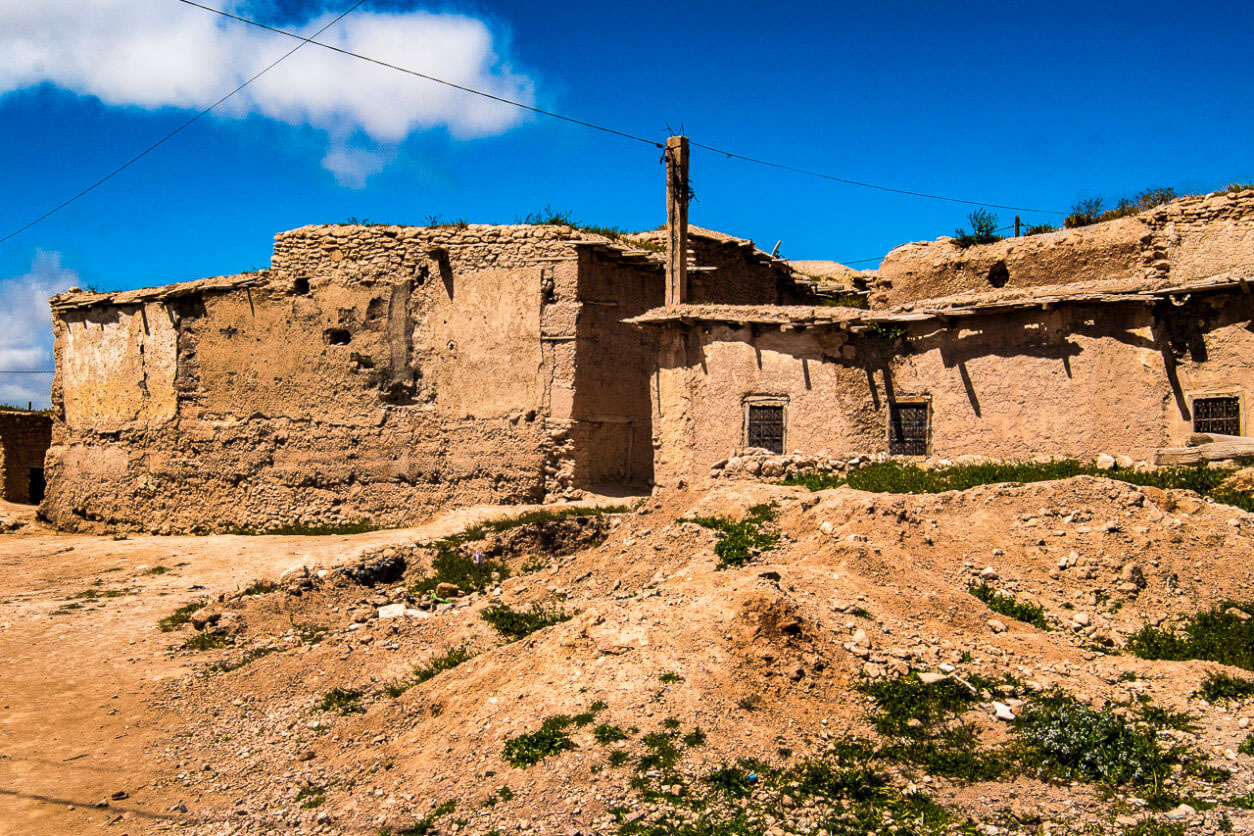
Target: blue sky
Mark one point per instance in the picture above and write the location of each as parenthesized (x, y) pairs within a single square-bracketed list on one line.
[(1030, 104)]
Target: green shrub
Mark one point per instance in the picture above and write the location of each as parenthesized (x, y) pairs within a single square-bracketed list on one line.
[(341, 700), (529, 749), (1218, 687), (739, 541), (1061, 737), (1040, 229), (1215, 635), (311, 796), (605, 734), (248, 658), (1005, 604), (451, 566), (516, 624), (983, 229), (1090, 211), (259, 588)]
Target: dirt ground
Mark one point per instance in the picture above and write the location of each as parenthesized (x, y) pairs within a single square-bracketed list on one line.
[(765, 659), (78, 723)]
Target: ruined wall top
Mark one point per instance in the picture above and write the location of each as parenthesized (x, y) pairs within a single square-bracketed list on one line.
[(1186, 239)]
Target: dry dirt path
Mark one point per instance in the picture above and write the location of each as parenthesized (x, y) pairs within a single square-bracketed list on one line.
[(80, 656)]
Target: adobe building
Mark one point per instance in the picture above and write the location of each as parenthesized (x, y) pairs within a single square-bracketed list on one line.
[(379, 373), (24, 440), (374, 373), (1123, 337)]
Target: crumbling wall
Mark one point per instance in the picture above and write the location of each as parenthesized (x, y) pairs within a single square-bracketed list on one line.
[(610, 413), (24, 440), (1077, 381), (1190, 238), (376, 373)]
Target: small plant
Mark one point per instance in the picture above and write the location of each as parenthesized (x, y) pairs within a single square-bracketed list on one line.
[(342, 700), (1005, 604), (983, 229), (1040, 229), (516, 624), (738, 542), (1090, 210), (549, 216), (618, 758), (206, 641), (157, 570), (433, 667), (529, 749), (1063, 738), (694, 738), (662, 753), (749, 702), (1220, 687), (605, 734), (1218, 635), (535, 563), (181, 616), (670, 677), (425, 825), (311, 796)]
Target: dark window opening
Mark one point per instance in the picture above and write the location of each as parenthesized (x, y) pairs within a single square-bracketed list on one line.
[(336, 336), (907, 429), (766, 427), (998, 275), (1221, 416), (37, 485), (301, 287)]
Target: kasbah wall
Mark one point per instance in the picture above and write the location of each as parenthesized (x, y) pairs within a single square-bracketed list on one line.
[(372, 373), (1071, 381)]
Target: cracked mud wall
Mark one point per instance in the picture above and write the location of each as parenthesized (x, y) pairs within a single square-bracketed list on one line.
[(24, 440), (1190, 238), (1074, 382), (397, 377)]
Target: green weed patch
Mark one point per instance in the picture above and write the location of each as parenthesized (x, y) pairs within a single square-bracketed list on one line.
[(1217, 635), (342, 701), (433, 667), (516, 624), (739, 541), (1219, 687), (1003, 603)]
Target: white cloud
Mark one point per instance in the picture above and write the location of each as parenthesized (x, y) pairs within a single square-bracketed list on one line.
[(158, 53), (26, 328)]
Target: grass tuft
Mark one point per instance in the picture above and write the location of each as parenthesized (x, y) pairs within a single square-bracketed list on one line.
[(1003, 603), (206, 641), (181, 616), (1220, 687), (342, 701), (516, 624), (1217, 635), (739, 541), (529, 749)]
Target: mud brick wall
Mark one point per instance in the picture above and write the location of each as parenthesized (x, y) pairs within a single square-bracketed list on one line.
[(24, 440)]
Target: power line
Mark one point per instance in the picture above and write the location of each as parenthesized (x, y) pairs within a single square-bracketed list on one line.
[(597, 127), (177, 130), (407, 71), (885, 255), (865, 185)]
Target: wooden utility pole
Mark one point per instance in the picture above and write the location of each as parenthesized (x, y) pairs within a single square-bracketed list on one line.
[(677, 220)]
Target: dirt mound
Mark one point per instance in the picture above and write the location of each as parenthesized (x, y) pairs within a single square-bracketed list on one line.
[(624, 673)]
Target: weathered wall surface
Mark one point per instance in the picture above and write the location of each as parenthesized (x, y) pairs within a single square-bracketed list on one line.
[(1190, 238), (375, 374), (1075, 382), (24, 440)]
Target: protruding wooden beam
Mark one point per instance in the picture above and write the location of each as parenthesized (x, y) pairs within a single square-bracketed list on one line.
[(676, 220)]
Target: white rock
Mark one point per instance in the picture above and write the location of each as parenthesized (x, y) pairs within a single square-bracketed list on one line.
[(1003, 711), (931, 678), (392, 611), (1184, 811), (1080, 619), (826, 527), (1106, 462), (996, 625)]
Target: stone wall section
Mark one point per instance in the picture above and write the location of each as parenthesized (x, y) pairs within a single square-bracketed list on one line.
[(1190, 238), (24, 440)]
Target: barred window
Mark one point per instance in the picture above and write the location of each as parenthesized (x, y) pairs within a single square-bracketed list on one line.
[(765, 427), (1217, 415), (907, 429)]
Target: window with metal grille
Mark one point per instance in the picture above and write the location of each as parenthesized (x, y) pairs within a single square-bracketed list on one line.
[(1217, 415), (907, 429), (765, 427)]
